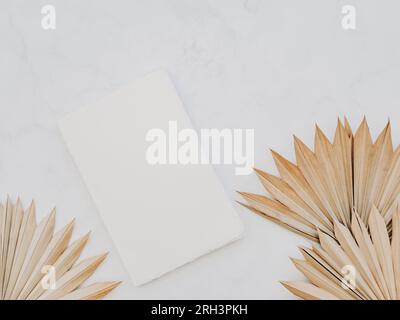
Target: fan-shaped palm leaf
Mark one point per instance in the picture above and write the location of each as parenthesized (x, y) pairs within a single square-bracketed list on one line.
[(31, 256), (344, 196)]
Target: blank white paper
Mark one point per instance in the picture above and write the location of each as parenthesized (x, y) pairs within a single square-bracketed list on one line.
[(159, 216)]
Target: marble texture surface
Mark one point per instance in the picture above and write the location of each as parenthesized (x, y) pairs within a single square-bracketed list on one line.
[(275, 66)]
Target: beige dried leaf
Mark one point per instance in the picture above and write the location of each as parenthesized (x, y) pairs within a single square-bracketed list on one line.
[(30, 252), (344, 195)]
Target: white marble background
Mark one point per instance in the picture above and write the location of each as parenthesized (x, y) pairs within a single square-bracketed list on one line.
[(275, 66)]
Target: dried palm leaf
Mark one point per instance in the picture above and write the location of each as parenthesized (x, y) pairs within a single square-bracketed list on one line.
[(343, 196), (35, 263)]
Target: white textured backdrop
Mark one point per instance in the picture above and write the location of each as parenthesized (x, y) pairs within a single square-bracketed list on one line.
[(275, 66)]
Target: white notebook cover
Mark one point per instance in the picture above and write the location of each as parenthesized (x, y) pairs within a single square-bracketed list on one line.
[(159, 216)]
